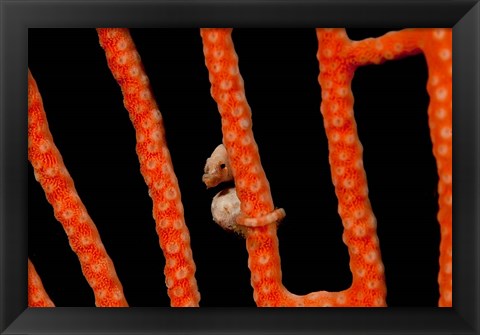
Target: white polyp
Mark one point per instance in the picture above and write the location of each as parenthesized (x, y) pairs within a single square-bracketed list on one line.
[(448, 268), (244, 124), (85, 240), (171, 193), (169, 282), (213, 36), (447, 178), (442, 150), (359, 231), (444, 54), (83, 217), (117, 295), (187, 253), (246, 140), (448, 200), (156, 115), (441, 113), (178, 292), (145, 95), (122, 60), (185, 237), (218, 53), (156, 135), (96, 267), (226, 84), (341, 299), (446, 132), (255, 186), (263, 259), (359, 213), (144, 79), (164, 223), (435, 80), (347, 223), (68, 214), (51, 171), (348, 183), (342, 91), (233, 70), (328, 85), (172, 247), (350, 139), (178, 224), (181, 273), (448, 295), (230, 136), (239, 96), (237, 111), (247, 159), (372, 284), (134, 71), (337, 121), (343, 156), (224, 97), (44, 146), (336, 137), (441, 94), (151, 164), (371, 257), (439, 34), (102, 294), (85, 258)]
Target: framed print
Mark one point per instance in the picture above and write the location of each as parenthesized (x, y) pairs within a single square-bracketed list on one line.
[(307, 157)]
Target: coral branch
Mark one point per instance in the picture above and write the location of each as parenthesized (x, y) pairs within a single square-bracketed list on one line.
[(339, 57), (69, 210), (368, 288), (37, 296), (155, 165), (252, 186), (437, 47)]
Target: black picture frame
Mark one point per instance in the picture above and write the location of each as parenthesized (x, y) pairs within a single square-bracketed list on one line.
[(18, 16)]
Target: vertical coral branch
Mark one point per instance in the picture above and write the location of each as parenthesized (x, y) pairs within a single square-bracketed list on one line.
[(155, 165), (37, 296), (437, 47), (251, 183), (69, 210)]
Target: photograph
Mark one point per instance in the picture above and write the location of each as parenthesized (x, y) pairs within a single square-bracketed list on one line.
[(240, 167)]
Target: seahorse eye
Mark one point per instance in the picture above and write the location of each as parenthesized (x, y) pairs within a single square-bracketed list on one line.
[(223, 166)]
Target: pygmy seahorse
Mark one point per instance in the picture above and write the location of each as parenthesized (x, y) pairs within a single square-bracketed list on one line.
[(225, 207)]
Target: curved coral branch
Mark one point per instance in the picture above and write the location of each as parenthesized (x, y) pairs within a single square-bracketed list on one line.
[(69, 210), (37, 296), (155, 165)]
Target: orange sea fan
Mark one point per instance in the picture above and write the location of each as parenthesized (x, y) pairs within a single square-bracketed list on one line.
[(92, 130)]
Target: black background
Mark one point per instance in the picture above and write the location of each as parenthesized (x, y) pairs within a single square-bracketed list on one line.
[(93, 132)]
